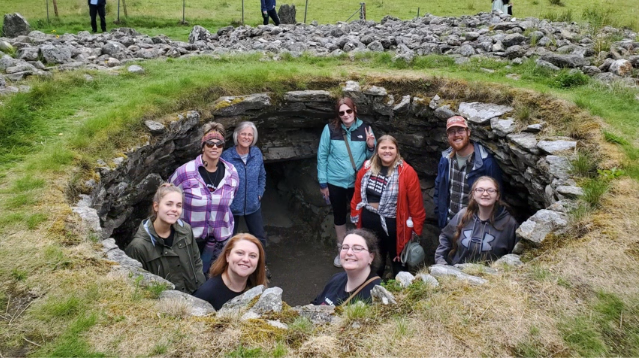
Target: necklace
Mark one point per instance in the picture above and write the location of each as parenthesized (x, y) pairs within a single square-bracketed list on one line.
[(217, 172)]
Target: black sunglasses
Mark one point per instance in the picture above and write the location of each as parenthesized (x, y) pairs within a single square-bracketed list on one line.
[(211, 144), (348, 111)]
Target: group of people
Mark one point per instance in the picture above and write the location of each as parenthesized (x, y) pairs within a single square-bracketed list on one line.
[(191, 238)]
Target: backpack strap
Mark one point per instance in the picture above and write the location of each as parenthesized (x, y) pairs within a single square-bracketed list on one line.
[(359, 289)]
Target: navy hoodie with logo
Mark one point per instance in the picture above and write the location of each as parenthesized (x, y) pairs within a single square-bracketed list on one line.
[(479, 240)]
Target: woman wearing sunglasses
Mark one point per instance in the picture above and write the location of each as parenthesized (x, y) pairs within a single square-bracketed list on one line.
[(359, 257), (484, 231), (345, 144), (209, 184)]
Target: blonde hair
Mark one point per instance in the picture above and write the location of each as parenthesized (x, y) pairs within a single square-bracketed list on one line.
[(214, 126), (163, 190), (376, 162)]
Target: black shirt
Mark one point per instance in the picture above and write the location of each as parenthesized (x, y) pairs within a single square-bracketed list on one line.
[(212, 180), (168, 241), (335, 291), (376, 185), (215, 292)]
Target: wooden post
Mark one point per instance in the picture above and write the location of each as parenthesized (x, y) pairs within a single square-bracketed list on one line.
[(47, 1), (183, 12), (362, 11), (126, 14), (55, 8), (242, 12)]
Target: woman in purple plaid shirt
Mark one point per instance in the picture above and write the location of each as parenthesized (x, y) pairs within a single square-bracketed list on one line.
[(209, 184)]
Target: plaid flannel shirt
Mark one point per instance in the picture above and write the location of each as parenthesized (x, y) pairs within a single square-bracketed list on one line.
[(208, 213), (388, 201), (459, 190)]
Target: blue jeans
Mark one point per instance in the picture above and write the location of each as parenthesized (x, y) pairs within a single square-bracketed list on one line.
[(254, 224)]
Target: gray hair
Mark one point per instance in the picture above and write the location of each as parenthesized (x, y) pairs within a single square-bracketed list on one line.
[(241, 127)]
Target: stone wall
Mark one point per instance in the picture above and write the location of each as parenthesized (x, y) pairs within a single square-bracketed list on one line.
[(555, 44), (536, 170)]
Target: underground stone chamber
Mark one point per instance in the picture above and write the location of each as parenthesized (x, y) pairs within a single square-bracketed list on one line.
[(298, 222)]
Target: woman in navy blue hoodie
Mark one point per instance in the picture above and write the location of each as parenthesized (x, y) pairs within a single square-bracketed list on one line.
[(247, 160)]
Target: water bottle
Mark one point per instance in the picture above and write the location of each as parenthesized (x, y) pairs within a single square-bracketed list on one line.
[(409, 223)]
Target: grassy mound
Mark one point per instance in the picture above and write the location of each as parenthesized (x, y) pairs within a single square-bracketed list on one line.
[(577, 295)]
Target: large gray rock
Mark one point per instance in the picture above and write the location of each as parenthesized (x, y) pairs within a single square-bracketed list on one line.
[(621, 67), (114, 49), (481, 113), (287, 13), (317, 314), (197, 307), (538, 226), (54, 55), (513, 39), (472, 267), (308, 96), (270, 301), (239, 303), (570, 61), (508, 260), (198, 33), (445, 270), (379, 293), (404, 278), (237, 105), (428, 279), (556, 146), (15, 25)]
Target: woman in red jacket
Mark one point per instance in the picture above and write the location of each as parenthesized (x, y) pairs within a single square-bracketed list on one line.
[(387, 193)]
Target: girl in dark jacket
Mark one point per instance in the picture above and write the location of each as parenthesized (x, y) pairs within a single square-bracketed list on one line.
[(484, 231), (164, 244)]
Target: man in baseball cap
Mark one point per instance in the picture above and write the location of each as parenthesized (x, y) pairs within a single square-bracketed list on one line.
[(460, 165)]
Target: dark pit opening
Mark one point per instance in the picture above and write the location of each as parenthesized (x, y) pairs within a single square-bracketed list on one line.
[(298, 222)]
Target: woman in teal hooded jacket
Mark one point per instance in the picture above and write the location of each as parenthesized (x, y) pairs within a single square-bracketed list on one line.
[(345, 144)]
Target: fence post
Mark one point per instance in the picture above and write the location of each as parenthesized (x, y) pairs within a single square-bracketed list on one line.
[(242, 12), (55, 8), (362, 11), (47, 2), (126, 14), (305, 10), (183, 12), (117, 20), (418, 12)]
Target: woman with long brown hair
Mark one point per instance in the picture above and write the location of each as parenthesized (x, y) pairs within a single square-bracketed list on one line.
[(240, 266), (387, 194), (345, 144), (484, 231)]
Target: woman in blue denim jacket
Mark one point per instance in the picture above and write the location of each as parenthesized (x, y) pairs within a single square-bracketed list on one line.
[(247, 160)]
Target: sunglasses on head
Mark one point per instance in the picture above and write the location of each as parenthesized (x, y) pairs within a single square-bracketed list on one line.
[(214, 143), (348, 111)]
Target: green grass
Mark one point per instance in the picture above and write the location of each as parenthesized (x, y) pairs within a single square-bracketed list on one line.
[(594, 189), (70, 343), (164, 17), (246, 352)]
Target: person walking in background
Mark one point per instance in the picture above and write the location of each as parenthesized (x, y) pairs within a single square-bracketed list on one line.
[(460, 165), (345, 144), (209, 184), (164, 244), (268, 9), (484, 231), (360, 258), (387, 193), (97, 7), (249, 163), (239, 267)]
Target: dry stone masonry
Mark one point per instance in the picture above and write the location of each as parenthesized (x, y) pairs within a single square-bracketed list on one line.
[(536, 169), (555, 44)]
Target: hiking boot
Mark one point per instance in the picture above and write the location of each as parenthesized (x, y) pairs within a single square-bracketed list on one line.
[(336, 262)]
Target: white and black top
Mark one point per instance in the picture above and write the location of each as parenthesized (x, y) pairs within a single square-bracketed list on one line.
[(212, 180), (376, 185)]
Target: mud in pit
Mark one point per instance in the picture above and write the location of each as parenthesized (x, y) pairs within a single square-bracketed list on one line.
[(299, 262)]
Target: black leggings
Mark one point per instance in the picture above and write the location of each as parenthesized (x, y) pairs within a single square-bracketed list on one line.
[(95, 10), (387, 243), (341, 202)]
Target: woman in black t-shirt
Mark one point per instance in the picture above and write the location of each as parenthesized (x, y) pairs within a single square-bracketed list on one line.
[(359, 257), (239, 267)]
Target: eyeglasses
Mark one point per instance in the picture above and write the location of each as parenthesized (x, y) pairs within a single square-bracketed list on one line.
[(482, 190), (212, 144), (355, 248), (342, 113), (458, 131)]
